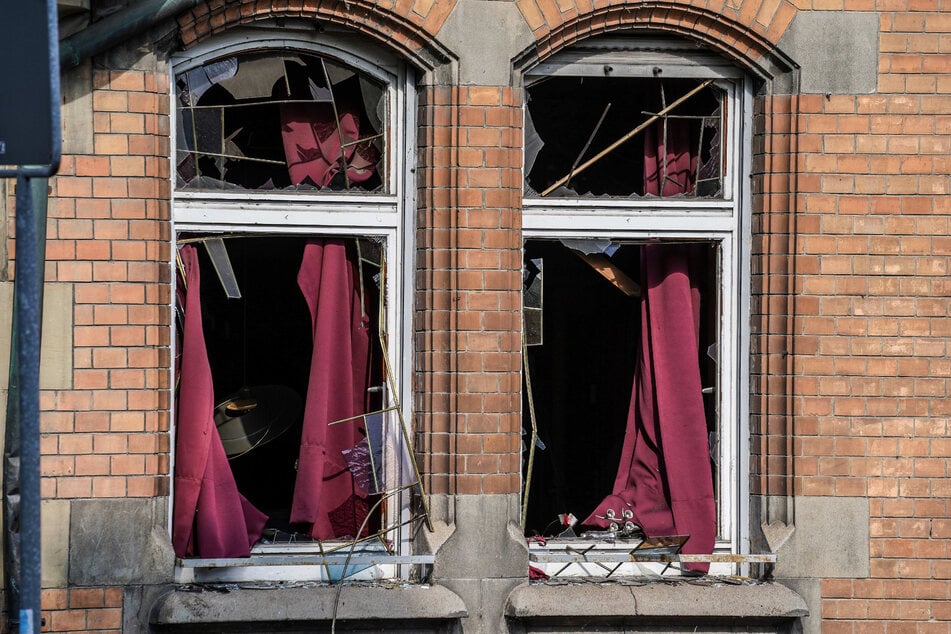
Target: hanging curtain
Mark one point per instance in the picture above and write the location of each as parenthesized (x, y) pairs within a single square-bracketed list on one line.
[(664, 475), (674, 166), (325, 493), (210, 517)]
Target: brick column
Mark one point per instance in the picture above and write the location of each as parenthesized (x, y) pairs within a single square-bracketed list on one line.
[(469, 314), (468, 341)]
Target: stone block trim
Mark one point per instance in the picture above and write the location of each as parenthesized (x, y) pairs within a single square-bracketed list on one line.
[(468, 324)]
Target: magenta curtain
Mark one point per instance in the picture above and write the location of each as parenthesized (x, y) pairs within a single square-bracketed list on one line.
[(325, 494), (664, 475), (312, 144), (679, 173), (210, 517)]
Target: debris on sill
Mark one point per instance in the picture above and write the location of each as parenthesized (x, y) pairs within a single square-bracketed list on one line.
[(698, 580), (224, 588)]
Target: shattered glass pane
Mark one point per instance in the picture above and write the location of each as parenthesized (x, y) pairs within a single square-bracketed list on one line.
[(277, 121), (709, 172), (533, 327), (532, 301), (358, 461), (572, 121)]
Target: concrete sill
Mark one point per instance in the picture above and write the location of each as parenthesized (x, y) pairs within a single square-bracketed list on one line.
[(765, 601), (283, 604)]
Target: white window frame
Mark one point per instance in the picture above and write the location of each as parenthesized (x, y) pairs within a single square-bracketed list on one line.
[(724, 220), (388, 216)]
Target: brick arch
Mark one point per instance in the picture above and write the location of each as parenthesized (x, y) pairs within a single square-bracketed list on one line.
[(745, 31), (408, 28)]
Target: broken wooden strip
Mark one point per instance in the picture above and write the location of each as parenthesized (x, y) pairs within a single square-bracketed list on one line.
[(611, 272)]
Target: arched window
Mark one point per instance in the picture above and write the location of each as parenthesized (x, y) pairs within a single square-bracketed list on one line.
[(293, 237), (636, 230)]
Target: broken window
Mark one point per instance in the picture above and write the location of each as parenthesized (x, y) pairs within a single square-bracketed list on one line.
[(605, 136), (280, 121), (600, 392), (292, 452), (633, 406)]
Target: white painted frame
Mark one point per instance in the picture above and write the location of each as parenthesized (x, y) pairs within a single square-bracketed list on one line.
[(388, 216), (725, 221)]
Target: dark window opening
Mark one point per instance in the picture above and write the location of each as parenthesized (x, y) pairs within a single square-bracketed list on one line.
[(268, 121), (260, 347), (571, 121), (585, 333)]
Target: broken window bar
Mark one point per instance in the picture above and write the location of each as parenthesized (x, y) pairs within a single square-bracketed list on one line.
[(391, 382), (406, 437), (287, 80), (696, 180), (534, 439), (679, 116), (219, 160), (663, 174), (333, 104), (194, 128), (363, 308), (245, 104), (235, 157), (627, 137), (363, 140), (587, 143), (391, 408)]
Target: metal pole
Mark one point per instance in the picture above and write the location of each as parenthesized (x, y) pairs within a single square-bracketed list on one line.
[(28, 310), (11, 485)]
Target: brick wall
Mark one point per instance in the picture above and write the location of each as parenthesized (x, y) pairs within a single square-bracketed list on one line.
[(872, 316), (109, 237), (83, 610)]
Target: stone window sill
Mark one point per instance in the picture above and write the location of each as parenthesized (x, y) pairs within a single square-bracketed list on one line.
[(656, 600), (186, 606)]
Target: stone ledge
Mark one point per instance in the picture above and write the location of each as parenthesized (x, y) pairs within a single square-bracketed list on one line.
[(252, 605), (680, 600)]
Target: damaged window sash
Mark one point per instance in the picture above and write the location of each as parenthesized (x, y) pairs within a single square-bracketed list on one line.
[(557, 128), (633, 143), (273, 121), (384, 464)]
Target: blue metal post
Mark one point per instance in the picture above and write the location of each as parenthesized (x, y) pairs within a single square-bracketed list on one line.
[(28, 288)]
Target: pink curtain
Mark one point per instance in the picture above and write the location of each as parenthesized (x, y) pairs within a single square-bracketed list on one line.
[(312, 144), (664, 475), (210, 517), (325, 494), (679, 173)]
